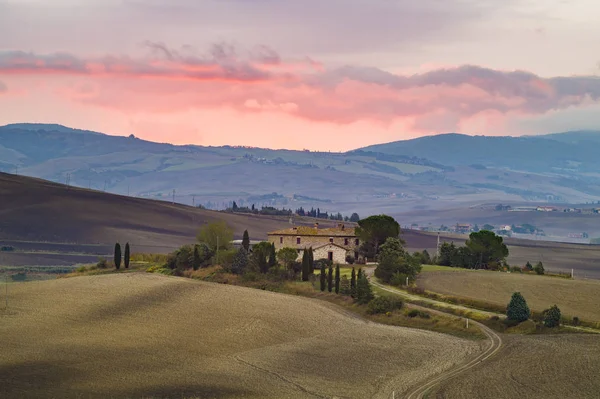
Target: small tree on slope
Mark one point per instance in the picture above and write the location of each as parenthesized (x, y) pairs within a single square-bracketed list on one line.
[(552, 317), (246, 241), (311, 261), (337, 279), (323, 283), (127, 256), (364, 293), (353, 284), (305, 265), (117, 258), (517, 308), (330, 279), (196, 262)]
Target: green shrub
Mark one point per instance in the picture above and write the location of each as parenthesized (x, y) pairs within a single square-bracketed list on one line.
[(350, 259), (517, 308), (399, 279), (384, 304), (516, 269), (102, 263), (575, 321), (81, 269), (415, 312), (552, 317), (539, 268)]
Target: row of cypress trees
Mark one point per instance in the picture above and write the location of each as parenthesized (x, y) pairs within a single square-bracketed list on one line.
[(360, 289), (117, 257)]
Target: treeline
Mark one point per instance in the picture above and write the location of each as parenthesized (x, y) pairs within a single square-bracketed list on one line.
[(483, 250), (272, 211), (316, 213)]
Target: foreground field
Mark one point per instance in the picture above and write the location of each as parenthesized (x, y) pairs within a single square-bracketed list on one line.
[(573, 297), (135, 335), (548, 366)]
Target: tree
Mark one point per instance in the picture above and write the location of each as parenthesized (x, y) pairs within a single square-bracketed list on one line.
[(246, 241), (127, 256), (354, 218), (487, 227), (345, 285), (214, 233), (529, 266), (272, 256), (394, 259), (287, 256), (374, 230), (197, 261), (117, 257), (517, 309), (337, 279), (552, 317), (234, 207), (539, 268), (240, 262), (425, 257), (311, 261), (364, 293), (353, 284), (330, 279), (487, 248), (322, 277), (258, 257), (305, 265)]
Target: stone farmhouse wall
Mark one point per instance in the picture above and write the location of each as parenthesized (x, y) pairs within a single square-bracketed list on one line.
[(288, 241), (339, 254)]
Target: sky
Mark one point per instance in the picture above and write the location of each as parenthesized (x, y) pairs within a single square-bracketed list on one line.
[(330, 75)]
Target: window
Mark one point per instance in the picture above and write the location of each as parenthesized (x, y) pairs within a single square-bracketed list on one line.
[(346, 241), (356, 255), (298, 240), (331, 240), (281, 240), (330, 256), (356, 242)]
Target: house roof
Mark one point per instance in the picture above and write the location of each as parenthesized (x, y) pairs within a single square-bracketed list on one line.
[(315, 231), (331, 244)]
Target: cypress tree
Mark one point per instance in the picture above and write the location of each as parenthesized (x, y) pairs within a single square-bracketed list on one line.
[(330, 279), (272, 256), (196, 262), (322, 277), (305, 265), (517, 308), (246, 241), (311, 261), (127, 255), (337, 279), (117, 258), (363, 289), (353, 284)]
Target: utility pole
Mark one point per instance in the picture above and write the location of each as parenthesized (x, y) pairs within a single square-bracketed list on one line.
[(17, 170), (438, 246), (104, 185), (217, 250), (173, 196), (194, 201)]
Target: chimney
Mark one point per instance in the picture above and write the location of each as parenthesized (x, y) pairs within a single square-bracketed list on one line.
[(316, 225), (341, 226)]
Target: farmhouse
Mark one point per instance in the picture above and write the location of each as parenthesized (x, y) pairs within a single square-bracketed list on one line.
[(335, 243)]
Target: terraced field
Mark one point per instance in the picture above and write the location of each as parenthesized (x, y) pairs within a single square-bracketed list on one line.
[(143, 335)]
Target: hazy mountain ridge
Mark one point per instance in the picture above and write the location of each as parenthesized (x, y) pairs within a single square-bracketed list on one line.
[(405, 174)]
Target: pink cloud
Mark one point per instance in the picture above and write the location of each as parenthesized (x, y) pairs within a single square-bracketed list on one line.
[(260, 81)]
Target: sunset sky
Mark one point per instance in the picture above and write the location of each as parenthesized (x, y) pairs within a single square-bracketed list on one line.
[(316, 74)]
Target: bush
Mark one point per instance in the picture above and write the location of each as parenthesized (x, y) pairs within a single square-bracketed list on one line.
[(384, 304), (415, 312), (517, 309), (399, 279), (102, 263), (516, 269), (575, 321), (539, 268), (350, 259), (552, 317), (7, 248), (81, 269)]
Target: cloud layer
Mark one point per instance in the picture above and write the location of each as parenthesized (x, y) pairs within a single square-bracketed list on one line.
[(261, 80)]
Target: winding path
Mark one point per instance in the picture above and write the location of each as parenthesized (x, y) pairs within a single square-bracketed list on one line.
[(495, 340)]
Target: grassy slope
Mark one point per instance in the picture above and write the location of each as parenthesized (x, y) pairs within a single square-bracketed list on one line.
[(540, 366), (38, 210), (573, 297), (147, 335)]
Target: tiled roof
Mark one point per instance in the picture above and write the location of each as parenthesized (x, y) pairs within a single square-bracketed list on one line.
[(315, 231)]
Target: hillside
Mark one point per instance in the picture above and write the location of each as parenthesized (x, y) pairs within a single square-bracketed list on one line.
[(406, 178), (38, 210), (141, 335)]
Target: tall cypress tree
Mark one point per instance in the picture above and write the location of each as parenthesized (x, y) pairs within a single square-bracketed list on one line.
[(517, 308), (311, 261), (353, 284), (127, 255), (117, 258), (246, 241), (323, 277), (330, 279), (196, 262), (363, 289), (305, 265), (272, 256), (337, 279)]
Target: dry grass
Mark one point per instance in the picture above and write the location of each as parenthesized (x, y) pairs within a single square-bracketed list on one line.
[(538, 366), (141, 335), (573, 297)]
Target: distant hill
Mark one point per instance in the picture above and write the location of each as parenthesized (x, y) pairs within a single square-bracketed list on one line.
[(555, 152), (436, 172)]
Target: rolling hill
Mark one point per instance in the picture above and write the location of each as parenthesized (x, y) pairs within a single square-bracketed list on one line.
[(411, 178)]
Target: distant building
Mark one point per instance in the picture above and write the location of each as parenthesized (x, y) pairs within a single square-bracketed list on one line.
[(333, 243), (462, 228)]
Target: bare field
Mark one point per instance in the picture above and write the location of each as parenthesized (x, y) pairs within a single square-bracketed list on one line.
[(141, 335), (537, 366), (573, 297)]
